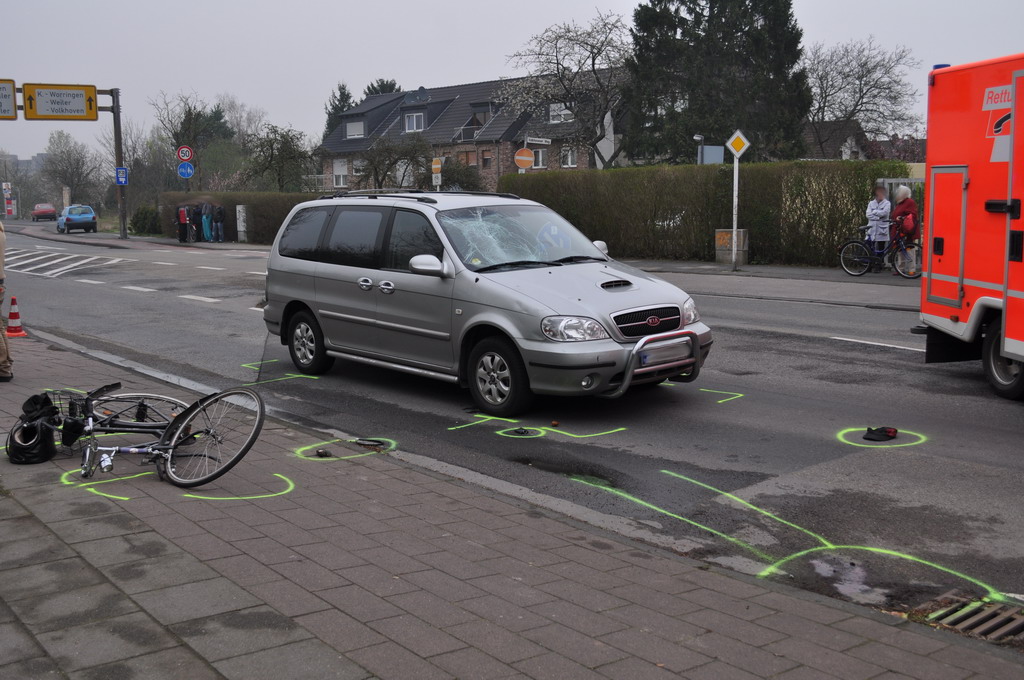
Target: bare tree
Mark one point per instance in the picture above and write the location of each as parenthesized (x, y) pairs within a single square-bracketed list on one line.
[(394, 162), (133, 142), (71, 164), (860, 81), (244, 119), (579, 69)]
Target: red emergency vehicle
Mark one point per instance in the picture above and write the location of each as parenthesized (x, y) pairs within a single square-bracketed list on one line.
[(972, 288)]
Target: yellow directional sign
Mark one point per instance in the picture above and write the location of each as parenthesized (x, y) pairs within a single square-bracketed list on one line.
[(59, 102), (738, 143), (8, 102)]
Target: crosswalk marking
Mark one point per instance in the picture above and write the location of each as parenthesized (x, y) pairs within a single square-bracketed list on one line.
[(140, 289), (199, 298), (52, 264)]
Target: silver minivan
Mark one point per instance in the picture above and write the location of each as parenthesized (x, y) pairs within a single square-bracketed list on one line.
[(493, 292)]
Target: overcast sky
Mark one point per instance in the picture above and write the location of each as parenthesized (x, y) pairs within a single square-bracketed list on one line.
[(287, 56)]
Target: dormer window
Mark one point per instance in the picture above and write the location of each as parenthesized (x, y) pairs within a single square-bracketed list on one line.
[(560, 113), (414, 122), (355, 129)]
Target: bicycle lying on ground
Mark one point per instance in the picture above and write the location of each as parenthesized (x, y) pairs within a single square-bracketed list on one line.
[(190, 444), (858, 256)]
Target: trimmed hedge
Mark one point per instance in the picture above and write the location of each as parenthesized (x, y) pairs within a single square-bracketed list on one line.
[(796, 212), (267, 211)]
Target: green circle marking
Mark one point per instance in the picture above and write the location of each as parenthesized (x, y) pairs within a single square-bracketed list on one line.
[(842, 436), (510, 432), (390, 445), (288, 489)]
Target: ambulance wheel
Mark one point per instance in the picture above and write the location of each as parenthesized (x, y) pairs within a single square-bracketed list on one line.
[(1006, 376)]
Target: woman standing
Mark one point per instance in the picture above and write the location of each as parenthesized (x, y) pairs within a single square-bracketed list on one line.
[(5, 355), (878, 219), (906, 220)]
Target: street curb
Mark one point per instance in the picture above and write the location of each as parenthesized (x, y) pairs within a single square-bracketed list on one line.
[(838, 303)]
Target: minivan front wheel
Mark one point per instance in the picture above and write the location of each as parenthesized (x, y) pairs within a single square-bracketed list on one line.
[(497, 378), (306, 345)]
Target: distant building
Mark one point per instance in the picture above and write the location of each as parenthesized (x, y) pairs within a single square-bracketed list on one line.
[(845, 140), (460, 121)]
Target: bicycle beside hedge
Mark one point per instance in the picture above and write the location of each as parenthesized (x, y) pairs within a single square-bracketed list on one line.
[(858, 256)]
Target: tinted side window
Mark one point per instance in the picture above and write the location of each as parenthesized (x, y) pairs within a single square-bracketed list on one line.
[(355, 238), (411, 235), (302, 234)]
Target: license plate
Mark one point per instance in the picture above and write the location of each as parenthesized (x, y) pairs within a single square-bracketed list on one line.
[(661, 354)]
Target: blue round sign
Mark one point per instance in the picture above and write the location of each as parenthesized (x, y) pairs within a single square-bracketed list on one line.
[(550, 236), (186, 170)]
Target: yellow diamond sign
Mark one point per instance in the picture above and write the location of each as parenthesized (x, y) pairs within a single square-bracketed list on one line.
[(738, 144)]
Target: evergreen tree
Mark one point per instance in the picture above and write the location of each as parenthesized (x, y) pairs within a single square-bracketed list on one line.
[(382, 86), (711, 66), (339, 102)]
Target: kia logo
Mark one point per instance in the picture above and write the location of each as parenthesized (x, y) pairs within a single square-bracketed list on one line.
[(653, 320)]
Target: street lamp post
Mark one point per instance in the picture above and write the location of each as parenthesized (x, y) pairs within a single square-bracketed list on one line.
[(700, 148)]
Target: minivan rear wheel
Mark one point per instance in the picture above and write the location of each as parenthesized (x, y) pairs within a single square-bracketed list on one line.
[(497, 378), (306, 345), (1006, 376)]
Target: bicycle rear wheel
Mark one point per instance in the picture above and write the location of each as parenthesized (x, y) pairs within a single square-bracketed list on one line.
[(855, 258), (907, 261), (211, 437)]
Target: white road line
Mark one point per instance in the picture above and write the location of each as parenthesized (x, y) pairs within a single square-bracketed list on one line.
[(198, 298), (90, 281), (51, 248), (140, 289), (167, 264), (58, 272), (217, 269), (257, 273), (878, 344), (25, 258), (48, 263), (256, 309)]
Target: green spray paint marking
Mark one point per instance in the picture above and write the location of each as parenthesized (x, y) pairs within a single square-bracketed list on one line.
[(735, 395), (65, 478), (841, 436), (651, 506), (288, 489), (992, 592), (255, 366), (301, 452), (510, 432), (750, 505)]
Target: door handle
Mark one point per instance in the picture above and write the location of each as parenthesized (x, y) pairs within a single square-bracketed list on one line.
[(387, 287), (365, 283)]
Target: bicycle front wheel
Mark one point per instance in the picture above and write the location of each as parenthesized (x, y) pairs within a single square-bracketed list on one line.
[(907, 262), (214, 434), (855, 258)]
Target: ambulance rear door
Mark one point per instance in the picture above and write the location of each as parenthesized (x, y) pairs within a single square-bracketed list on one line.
[(1013, 293)]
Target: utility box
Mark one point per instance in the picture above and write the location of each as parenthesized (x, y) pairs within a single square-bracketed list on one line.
[(723, 246), (242, 222)]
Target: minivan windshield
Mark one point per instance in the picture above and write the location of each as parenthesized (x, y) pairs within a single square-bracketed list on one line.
[(496, 237)]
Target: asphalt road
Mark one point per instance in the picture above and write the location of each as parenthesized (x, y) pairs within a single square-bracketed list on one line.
[(889, 525)]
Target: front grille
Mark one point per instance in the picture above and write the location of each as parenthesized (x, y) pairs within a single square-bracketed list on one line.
[(636, 325)]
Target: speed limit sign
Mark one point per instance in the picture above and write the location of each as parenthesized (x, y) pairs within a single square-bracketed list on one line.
[(185, 153)]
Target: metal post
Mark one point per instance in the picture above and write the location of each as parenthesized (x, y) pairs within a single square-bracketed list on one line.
[(735, 205), (122, 209)]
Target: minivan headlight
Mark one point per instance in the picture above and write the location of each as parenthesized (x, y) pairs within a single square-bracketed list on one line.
[(690, 313), (572, 329)]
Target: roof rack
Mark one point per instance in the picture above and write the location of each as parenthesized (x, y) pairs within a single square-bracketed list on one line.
[(418, 194), (500, 194)]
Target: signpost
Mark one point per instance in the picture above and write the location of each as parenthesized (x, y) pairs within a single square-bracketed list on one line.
[(8, 102), (540, 141), (436, 179), (524, 159), (121, 177), (186, 170), (185, 153), (738, 144), (435, 168), (60, 102)]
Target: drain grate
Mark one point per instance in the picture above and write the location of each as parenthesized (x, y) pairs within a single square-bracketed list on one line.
[(977, 618)]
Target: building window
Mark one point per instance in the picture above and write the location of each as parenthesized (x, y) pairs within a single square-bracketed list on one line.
[(485, 159), (355, 129), (567, 157), (340, 173), (413, 122), (467, 157), (540, 158), (560, 113), (480, 118)]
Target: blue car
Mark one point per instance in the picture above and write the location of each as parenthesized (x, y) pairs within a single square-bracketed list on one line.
[(76, 217)]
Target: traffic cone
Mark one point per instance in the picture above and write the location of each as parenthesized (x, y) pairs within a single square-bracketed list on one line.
[(14, 329)]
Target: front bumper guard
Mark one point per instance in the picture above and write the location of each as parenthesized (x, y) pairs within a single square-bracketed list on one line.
[(632, 369)]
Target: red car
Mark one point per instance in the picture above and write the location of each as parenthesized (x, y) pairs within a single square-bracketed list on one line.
[(44, 211)]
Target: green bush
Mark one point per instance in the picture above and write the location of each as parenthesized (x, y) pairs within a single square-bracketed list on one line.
[(796, 212), (267, 211), (145, 220)]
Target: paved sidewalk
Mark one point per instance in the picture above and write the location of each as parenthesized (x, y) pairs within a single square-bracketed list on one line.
[(369, 567)]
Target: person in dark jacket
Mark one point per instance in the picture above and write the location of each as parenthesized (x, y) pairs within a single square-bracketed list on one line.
[(182, 222), (218, 223), (196, 217)]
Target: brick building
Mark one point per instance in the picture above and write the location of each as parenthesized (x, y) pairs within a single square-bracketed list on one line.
[(459, 121)]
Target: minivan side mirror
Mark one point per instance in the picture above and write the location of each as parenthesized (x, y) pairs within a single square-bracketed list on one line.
[(427, 265), (602, 246)]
